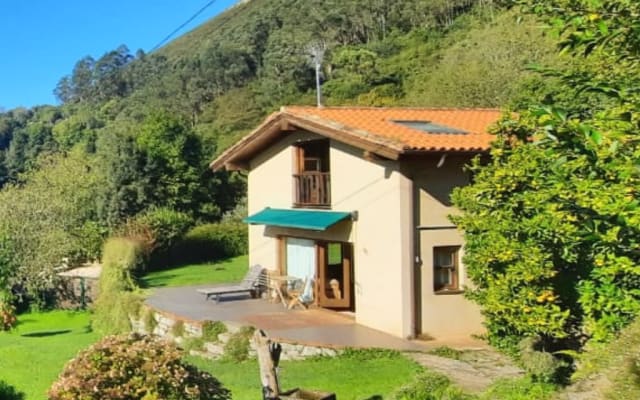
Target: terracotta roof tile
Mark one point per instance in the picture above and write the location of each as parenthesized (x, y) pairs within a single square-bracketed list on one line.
[(381, 123)]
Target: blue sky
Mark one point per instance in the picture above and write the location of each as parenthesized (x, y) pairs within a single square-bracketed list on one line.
[(41, 40)]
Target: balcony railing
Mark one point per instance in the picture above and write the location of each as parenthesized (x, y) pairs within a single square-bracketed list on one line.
[(312, 189)]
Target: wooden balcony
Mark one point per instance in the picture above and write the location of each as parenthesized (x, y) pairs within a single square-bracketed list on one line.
[(312, 189)]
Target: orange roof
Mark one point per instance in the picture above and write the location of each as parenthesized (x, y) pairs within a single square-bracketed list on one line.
[(388, 132), (380, 122)]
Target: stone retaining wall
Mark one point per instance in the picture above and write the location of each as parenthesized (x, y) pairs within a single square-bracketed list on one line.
[(164, 327)]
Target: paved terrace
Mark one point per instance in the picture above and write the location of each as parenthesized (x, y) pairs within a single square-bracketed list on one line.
[(316, 327)]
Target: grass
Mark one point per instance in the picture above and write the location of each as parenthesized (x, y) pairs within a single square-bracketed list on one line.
[(366, 377), (447, 352), (33, 354), (611, 370), (229, 270)]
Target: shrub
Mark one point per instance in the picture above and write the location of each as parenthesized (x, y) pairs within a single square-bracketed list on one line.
[(7, 312), (168, 227), (211, 330), (430, 386), (160, 230), (117, 297), (213, 242), (150, 322), (134, 367), (7, 315), (8, 392), (542, 366), (519, 389), (177, 329), (237, 348), (192, 343), (121, 257)]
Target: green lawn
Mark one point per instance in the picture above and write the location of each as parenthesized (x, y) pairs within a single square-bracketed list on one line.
[(229, 270), (351, 378), (33, 354)]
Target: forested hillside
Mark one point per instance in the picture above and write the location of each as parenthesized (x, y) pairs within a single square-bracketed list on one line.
[(134, 132)]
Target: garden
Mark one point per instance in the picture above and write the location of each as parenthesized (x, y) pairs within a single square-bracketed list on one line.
[(34, 353)]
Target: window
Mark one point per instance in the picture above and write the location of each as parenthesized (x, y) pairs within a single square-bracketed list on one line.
[(445, 268), (311, 178)]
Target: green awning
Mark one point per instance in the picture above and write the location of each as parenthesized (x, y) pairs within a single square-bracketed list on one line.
[(301, 219)]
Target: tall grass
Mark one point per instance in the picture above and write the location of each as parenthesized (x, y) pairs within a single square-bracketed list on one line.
[(118, 295)]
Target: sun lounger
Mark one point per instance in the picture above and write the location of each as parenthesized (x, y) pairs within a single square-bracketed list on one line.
[(250, 285)]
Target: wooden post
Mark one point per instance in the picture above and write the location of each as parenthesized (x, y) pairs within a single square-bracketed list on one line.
[(268, 358)]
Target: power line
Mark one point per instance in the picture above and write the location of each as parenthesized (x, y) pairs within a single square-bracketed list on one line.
[(194, 16)]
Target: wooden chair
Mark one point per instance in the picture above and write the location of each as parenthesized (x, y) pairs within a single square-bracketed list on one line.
[(303, 296)]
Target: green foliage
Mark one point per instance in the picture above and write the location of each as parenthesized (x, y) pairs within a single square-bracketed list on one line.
[(177, 329), (484, 67), (149, 320), (447, 352), (192, 343), (430, 386), (43, 221), (369, 354), (237, 348), (551, 222), (8, 392), (519, 389), (617, 361), (161, 229), (118, 298), (213, 242), (541, 366), (118, 367), (211, 330)]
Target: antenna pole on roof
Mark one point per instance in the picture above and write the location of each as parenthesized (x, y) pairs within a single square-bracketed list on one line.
[(316, 52)]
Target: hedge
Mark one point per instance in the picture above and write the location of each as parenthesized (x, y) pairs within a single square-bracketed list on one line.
[(210, 242)]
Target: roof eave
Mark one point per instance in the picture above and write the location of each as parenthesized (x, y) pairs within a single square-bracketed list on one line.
[(235, 156)]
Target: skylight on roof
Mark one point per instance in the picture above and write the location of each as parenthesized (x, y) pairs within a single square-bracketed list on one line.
[(430, 127)]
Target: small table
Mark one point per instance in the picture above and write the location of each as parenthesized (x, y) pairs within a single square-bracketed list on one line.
[(277, 281)]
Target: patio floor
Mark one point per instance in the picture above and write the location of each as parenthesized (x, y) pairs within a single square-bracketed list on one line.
[(316, 327)]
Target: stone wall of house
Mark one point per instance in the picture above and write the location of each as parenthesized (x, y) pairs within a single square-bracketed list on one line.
[(163, 325)]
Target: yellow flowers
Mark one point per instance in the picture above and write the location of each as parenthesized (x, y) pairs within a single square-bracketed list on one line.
[(547, 296)]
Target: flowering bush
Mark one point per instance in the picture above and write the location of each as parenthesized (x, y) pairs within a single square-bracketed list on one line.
[(7, 316), (134, 367)]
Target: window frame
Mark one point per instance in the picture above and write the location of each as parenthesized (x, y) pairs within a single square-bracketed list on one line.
[(454, 286)]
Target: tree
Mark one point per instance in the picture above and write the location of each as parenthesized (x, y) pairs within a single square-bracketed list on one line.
[(552, 221), (48, 218)]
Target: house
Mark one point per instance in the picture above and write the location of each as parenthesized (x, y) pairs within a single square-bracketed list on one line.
[(357, 200)]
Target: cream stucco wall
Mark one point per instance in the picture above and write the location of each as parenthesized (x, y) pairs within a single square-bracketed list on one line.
[(441, 315), (391, 199), (270, 184), (383, 250), (383, 246)]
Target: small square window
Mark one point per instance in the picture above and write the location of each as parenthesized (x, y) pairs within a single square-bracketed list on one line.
[(445, 268)]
